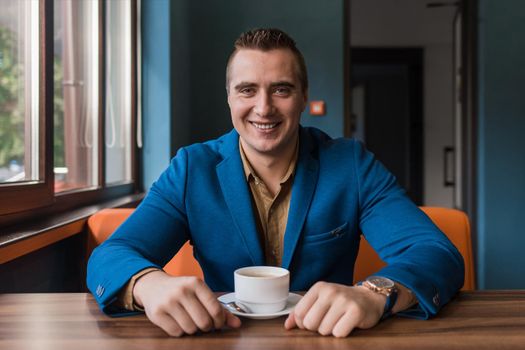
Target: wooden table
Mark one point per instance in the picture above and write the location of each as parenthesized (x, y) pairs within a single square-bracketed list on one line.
[(473, 320)]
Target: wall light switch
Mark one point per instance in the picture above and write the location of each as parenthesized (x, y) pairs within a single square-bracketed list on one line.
[(317, 108)]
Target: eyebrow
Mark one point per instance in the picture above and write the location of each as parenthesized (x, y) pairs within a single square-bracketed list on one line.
[(243, 85), (283, 83), (246, 84)]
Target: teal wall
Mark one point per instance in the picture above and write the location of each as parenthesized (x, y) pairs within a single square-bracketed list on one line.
[(156, 89), (501, 162)]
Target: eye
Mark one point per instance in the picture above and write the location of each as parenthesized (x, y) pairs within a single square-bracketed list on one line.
[(282, 91), (247, 91)]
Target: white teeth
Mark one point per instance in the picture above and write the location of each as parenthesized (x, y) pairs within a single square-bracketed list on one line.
[(264, 126)]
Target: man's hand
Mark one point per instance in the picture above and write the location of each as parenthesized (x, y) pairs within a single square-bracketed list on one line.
[(336, 309), (181, 305)]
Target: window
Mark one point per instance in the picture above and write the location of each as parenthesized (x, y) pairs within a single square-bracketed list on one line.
[(118, 92), (26, 180), (19, 100), (67, 103), (76, 91)]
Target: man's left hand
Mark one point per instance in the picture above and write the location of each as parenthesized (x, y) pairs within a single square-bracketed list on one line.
[(330, 308)]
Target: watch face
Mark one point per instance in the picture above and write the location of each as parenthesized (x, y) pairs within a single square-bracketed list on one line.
[(381, 282)]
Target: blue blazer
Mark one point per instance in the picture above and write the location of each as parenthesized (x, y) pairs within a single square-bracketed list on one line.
[(339, 191)]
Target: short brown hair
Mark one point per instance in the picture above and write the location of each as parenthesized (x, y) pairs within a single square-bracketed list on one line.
[(266, 39)]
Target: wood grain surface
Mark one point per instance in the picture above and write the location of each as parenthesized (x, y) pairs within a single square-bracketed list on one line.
[(473, 320)]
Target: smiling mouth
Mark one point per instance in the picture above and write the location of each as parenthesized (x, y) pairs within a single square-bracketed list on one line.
[(265, 126)]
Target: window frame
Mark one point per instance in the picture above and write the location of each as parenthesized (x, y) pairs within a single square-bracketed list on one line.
[(29, 200), (28, 195)]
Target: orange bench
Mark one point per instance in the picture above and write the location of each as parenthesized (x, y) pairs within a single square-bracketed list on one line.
[(453, 223)]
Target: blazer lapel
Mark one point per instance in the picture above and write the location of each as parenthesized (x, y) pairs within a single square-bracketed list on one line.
[(305, 181), (237, 196)]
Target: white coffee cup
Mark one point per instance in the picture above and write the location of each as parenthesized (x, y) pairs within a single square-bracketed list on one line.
[(262, 289)]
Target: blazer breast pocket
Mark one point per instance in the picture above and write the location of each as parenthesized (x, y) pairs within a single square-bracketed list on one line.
[(333, 234)]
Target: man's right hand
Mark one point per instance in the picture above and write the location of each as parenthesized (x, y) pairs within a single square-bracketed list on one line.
[(181, 305)]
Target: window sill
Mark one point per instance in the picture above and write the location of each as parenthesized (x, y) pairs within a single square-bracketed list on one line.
[(23, 239)]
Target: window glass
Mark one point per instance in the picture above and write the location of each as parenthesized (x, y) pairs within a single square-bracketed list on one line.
[(118, 91), (19, 89), (75, 94), (67, 94)]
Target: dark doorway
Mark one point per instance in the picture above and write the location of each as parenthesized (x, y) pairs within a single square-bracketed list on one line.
[(387, 100)]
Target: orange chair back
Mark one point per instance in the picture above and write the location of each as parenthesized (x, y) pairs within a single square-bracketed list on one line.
[(454, 223), (102, 224)]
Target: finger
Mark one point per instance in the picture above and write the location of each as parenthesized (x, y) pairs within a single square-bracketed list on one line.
[(303, 306), (290, 322), (209, 301), (344, 326), (330, 319), (232, 320), (198, 313), (166, 323), (316, 314), (184, 320)]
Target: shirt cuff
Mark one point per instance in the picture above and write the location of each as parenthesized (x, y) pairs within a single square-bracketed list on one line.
[(125, 296)]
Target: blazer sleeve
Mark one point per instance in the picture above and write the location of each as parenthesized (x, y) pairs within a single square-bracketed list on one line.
[(417, 253), (150, 237)]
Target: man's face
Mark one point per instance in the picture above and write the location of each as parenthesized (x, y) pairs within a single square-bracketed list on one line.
[(266, 100)]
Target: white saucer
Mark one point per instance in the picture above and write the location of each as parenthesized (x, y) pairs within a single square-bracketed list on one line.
[(293, 299)]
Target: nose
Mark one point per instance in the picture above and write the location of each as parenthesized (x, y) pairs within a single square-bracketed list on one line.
[(264, 105)]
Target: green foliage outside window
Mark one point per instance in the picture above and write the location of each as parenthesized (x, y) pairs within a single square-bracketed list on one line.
[(11, 101), (12, 107), (58, 113)]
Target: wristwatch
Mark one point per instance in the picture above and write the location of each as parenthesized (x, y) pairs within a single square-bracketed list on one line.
[(385, 286)]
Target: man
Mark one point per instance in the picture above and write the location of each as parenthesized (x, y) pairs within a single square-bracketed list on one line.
[(273, 192)]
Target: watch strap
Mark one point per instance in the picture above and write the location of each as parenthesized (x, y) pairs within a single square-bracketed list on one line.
[(389, 305)]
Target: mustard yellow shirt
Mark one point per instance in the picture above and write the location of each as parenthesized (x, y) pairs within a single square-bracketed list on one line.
[(271, 211)]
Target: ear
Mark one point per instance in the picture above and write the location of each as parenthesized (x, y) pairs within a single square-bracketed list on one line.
[(228, 97)]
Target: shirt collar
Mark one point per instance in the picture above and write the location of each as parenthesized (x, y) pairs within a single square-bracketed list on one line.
[(250, 173)]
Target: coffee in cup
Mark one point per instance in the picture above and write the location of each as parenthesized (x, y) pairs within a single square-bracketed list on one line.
[(262, 289)]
